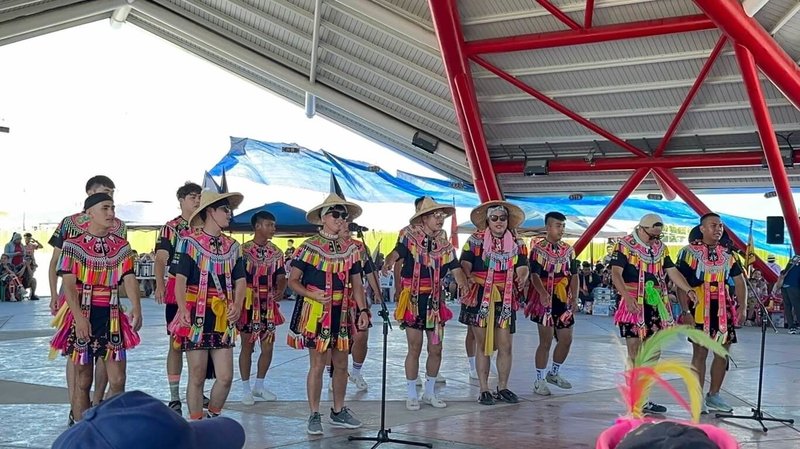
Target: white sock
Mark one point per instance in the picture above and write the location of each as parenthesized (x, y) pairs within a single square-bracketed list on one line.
[(430, 382), (412, 388), (471, 363), (246, 386), (540, 373), (554, 369), (259, 386)]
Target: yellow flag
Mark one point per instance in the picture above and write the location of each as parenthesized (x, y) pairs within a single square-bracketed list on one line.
[(751, 248)]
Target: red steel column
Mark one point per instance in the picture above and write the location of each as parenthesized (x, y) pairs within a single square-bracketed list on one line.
[(730, 17), (588, 13), (695, 203), (616, 201), (448, 32), (553, 9), (769, 143)]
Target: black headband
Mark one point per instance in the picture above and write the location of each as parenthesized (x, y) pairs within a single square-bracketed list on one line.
[(95, 198)]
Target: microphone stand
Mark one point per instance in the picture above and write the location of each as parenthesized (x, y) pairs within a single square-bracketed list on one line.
[(383, 433), (758, 414)]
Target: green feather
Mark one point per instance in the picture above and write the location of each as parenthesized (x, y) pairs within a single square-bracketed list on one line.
[(651, 348)]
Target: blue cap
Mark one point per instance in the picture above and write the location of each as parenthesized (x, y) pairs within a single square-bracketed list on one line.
[(135, 420)]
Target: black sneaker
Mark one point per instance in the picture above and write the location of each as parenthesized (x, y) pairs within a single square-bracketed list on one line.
[(175, 406), (486, 398), (506, 395), (344, 419), (651, 407), (205, 401)]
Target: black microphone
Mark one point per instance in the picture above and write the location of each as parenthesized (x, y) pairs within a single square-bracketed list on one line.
[(729, 246), (355, 227)]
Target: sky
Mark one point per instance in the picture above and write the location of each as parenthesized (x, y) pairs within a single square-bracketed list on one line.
[(125, 103)]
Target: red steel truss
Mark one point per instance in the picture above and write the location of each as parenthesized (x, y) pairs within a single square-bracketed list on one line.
[(755, 48)]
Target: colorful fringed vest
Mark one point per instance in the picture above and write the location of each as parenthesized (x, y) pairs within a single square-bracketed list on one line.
[(98, 264), (646, 259), (556, 262), (262, 261), (77, 224), (499, 256), (175, 229), (432, 254), (711, 265), (334, 258), (215, 257)]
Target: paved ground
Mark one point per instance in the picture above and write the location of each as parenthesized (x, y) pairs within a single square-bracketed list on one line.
[(33, 402)]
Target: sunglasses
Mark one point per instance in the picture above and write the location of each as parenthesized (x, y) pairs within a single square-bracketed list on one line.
[(225, 209), (337, 214), (495, 218), (438, 215)]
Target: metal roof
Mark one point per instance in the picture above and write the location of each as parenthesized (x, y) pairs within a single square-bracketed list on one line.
[(377, 70)]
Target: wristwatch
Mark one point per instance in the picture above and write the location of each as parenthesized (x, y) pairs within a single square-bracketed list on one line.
[(360, 311)]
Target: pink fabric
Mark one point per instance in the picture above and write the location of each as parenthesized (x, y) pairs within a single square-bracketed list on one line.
[(169, 291), (612, 436)]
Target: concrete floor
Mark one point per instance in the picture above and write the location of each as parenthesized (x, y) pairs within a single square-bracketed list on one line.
[(33, 403)]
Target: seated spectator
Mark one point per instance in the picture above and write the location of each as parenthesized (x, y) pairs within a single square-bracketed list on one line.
[(588, 282), (759, 291), (135, 420), (11, 280)]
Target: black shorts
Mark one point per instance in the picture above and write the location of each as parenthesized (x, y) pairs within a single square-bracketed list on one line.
[(558, 308), (713, 324), (652, 324), (471, 316)]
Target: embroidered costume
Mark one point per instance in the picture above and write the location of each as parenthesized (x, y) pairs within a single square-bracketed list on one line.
[(211, 265), (643, 268), (707, 269), (99, 265), (261, 315), (554, 264), (494, 297), (74, 225), (168, 237), (426, 261), (327, 264)]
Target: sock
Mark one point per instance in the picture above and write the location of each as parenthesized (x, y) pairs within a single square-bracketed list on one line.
[(430, 382), (554, 369), (259, 386), (356, 369), (471, 363), (174, 387), (411, 385), (540, 373), (246, 386)]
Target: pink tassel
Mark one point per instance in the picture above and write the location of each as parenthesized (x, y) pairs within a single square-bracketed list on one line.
[(445, 314), (623, 316)]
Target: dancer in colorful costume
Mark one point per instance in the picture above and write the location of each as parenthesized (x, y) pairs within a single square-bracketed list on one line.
[(168, 236), (552, 301), (266, 281), (92, 324), (210, 288), (635, 431), (326, 274), (496, 263), (69, 227), (708, 265), (639, 265), (427, 255)]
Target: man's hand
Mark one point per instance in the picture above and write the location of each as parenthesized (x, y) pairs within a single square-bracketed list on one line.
[(319, 295), (688, 319), (53, 304), (631, 304), (544, 298), (692, 296), (234, 313), (363, 321), (184, 316), (742, 316), (463, 290), (136, 319), (83, 328), (160, 291)]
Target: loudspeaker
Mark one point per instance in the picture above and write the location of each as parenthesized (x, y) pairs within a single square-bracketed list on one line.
[(775, 230)]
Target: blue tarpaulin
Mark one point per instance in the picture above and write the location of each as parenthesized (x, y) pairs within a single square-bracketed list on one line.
[(290, 220), (289, 165)]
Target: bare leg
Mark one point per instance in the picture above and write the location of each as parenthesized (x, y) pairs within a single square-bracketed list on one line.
[(246, 356), (434, 361), (198, 363), (563, 345), (83, 383), (481, 359), (633, 344), (100, 381), (314, 378), (265, 358), (543, 350), (699, 356), (339, 360), (504, 339), (360, 340), (223, 368), (469, 342), (718, 368), (174, 369), (70, 371), (414, 339), (116, 377)]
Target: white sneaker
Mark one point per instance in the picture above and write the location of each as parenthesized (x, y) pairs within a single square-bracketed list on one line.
[(247, 398), (265, 395), (412, 404), (441, 379), (558, 381), (419, 381), (330, 385), (703, 408), (358, 380), (540, 387), (473, 374), (433, 401)]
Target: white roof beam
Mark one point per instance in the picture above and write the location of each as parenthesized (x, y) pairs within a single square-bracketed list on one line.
[(446, 155), (578, 6), (38, 24), (785, 19), (36, 8)]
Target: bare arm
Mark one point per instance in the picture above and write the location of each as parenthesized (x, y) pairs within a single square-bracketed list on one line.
[(162, 259), (132, 289), (239, 289), (522, 274), (466, 267), (741, 294), (779, 283), (619, 282), (280, 287), (536, 281), (678, 279), (83, 328), (391, 260), (574, 285), (398, 273), (372, 279)]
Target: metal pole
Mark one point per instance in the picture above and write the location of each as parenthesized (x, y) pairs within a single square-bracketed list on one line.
[(616, 201), (588, 13), (553, 9)]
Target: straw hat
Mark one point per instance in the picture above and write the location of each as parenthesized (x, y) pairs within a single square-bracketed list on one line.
[(515, 215), (209, 197), (314, 216), (427, 206)]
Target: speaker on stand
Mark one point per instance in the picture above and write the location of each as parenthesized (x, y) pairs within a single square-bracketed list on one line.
[(775, 226)]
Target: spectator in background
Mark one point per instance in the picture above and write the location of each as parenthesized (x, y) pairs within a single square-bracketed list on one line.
[(10, 279), (386, 279), (609, 253), (758, 291), (588, 281), (31, 245), (290, 249), (773, 265), (789, 284), (14, 250)]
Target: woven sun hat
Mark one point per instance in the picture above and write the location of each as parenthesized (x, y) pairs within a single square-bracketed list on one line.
[(209, 197), (479, 217), (314, 215), (429, 205)]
